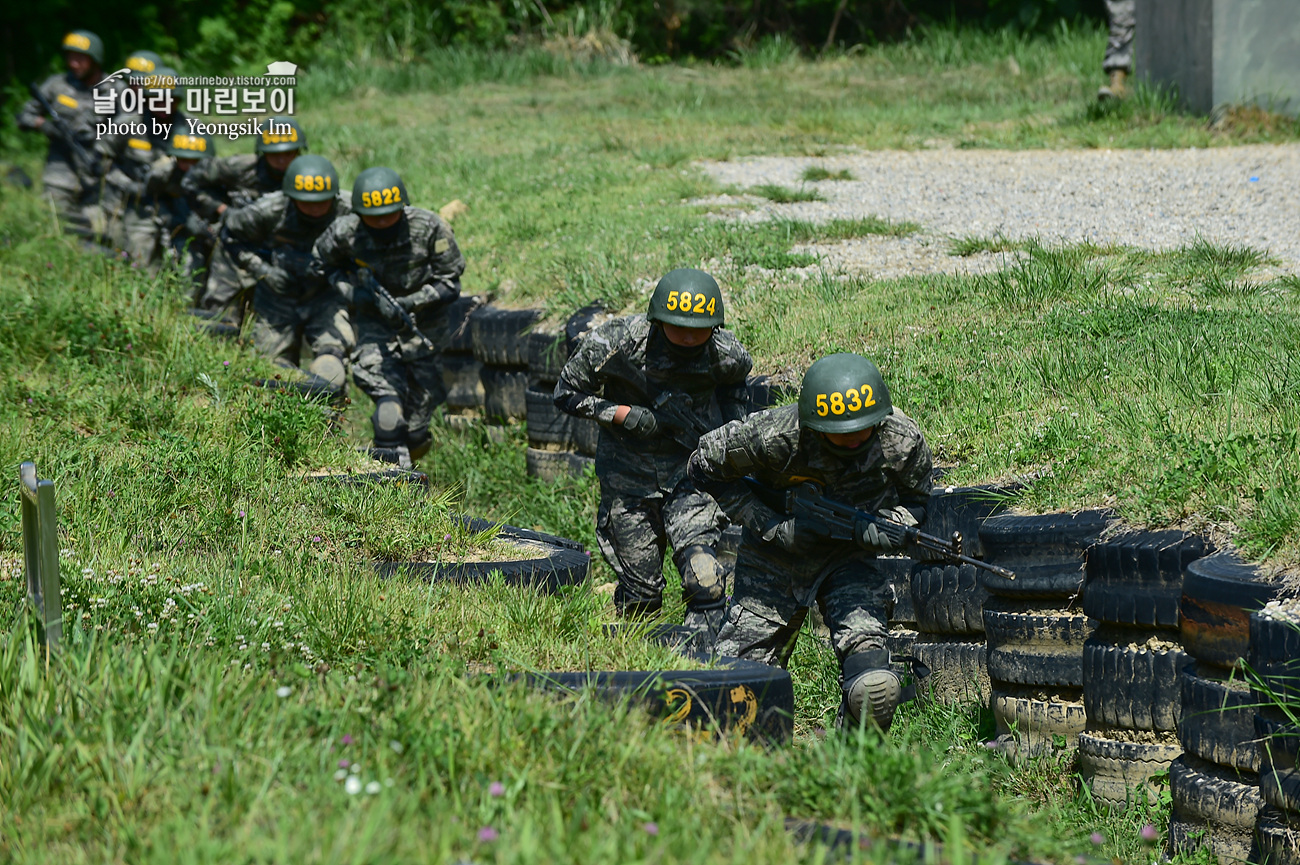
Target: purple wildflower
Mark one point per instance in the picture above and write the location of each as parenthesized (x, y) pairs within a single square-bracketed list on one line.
[(1097, 838), (651, 828), (1149, 833), (347, 739), (487, 833), (496, 789)]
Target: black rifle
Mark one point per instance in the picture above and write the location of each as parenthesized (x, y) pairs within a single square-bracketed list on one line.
[(86, 165), (671, 409), (371, 284), (807, 503)]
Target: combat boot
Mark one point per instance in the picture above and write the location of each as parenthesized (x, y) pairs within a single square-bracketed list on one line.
[(870, 688), (1114, 90)]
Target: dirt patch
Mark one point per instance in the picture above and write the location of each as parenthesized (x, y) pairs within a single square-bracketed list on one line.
[(499, 550)]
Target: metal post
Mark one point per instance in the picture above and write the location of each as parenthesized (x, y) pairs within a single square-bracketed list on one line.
[(41, 553)]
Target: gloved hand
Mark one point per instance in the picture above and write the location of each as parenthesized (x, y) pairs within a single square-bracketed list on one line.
[(276, 279), (430, 294), (390, 311), (871, 536), (640, 422), (791, 534)]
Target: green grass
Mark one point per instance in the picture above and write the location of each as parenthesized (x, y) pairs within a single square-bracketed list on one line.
[(973, 245), (784, 194), (1160, 383), (815, 173)]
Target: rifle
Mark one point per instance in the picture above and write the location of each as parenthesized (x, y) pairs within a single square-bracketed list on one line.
[(372, 285), (671, 409), (806, 501), (87, 165)]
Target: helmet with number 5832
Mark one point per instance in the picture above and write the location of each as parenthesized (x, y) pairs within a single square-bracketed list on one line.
[(843, 393), (377, 191), (687, 298), (310, 178)]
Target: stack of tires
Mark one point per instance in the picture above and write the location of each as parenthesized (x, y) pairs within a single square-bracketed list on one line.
[(460, 369), (558, 443), (1214, 784), (947, 601), (501, 344), (1035, 628), (1275, 665), (1132, 663)]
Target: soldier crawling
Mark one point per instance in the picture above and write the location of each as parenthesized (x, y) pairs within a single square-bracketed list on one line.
[(846, 436), (633, 375), (272, 239)]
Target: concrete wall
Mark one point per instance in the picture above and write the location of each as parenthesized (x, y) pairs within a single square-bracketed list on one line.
[(1217, 52)]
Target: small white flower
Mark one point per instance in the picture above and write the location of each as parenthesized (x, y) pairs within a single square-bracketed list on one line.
[(388, 782), (283, 691), (396, 746), (373, 787), (153, 626), (340, 774), (352, 786)]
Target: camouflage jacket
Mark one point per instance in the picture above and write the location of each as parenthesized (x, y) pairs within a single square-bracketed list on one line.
[(73, 100), (236, 181), (627, 361), (416, 259), (165, 184), (140, 168), (771, 447), (273, 232)]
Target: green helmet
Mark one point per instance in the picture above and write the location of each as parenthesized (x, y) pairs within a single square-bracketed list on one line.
[(310, 178), (183, 145), (282, 139), (843, 393), (143, 61), (377, 191), (165, 78), (85, 42), (687, 298)]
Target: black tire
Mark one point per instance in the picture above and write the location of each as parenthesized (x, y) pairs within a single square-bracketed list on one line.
[(1118, 766), (547, 424), (1046, 552), (459, 312), (550, 466), (948, 599), (964, 509), (477, 524), (1218, 801), (739, 696), (462, 376), (1035, 647), (1137, 578), (763, 393), (504, 393), (1220, 592), (1038, 725), (552, 567), (958, 671), (1277, 838), (399, 477), (1131, 679), (1218, 719), (1279, 768), (583, 322), (500, 335), (548, 352), (1274, 653)]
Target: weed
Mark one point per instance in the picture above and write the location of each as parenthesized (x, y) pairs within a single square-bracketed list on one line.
[(973, 245), (784, 194), (816, 173)]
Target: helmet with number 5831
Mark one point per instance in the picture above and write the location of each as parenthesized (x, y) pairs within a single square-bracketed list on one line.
[(843, 393), (687, 298), (310, 178)]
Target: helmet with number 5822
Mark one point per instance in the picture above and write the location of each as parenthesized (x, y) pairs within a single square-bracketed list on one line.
[(377, 191), (310, 178), (843, 393), (687, 298)]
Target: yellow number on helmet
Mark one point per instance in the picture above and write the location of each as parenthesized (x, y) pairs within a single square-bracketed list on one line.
[(699, 302), (854, 402), (329, 182), (388, 196), (397, 194), (822, 409), (713, 304), (672, 300), (837, 402), (297, 181), (867, 398)]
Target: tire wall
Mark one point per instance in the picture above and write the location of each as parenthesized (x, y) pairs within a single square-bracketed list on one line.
[(1274, 657)]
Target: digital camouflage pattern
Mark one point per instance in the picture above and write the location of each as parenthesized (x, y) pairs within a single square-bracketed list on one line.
[(418, 262), (774, 587), (139, 173), (272, 233), (68, 185), (645, 499), (1122, 15), (186, 236)]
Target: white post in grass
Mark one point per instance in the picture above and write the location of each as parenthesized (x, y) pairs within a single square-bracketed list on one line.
[(41, 554)]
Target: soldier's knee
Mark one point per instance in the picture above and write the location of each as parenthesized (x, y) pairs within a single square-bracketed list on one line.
[(389, 422), (330, 367), (702, 582)]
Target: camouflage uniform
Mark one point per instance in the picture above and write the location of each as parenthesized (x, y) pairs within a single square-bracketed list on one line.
[(235, 181), (186, 235), (390, 363), (1119, 47), (69, 189), (646, 501), (774, 587), (273, 232), (135, 186)]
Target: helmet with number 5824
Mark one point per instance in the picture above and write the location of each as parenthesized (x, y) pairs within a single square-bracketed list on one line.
[(377, 191), (184, 145), (843, 393), (279, 135), (687, 298), (310, 178)]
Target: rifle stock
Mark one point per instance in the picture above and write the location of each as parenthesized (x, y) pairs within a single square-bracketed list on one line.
[(670, 408), (372, 285)]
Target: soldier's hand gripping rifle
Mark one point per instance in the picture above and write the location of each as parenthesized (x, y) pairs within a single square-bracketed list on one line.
[(371, 284), (87, 166), (671, 409), (843, 522)]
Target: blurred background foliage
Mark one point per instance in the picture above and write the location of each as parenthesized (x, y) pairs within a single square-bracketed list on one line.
[(241, 36)]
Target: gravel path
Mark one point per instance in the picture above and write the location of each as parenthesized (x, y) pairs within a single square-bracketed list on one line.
[(1150, 198)]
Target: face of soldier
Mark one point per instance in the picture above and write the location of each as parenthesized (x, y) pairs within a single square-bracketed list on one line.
[(687, 337), (80, 65), (280, 161), (186, 164), (850, 441), (379, 223), (314, 209)]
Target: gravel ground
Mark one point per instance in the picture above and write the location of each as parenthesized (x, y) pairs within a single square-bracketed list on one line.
[(1157, 199)]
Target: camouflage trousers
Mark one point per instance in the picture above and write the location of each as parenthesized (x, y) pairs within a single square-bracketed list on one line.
[(634, 527), (1119, 47), (228, 285), (281, 324), (388, 363), (141, 237), (774, 590)]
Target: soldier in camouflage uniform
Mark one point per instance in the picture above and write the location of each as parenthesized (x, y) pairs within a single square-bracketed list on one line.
[(619, 377), (236, 181), (187, 237), (845, 436), (69, 185), (272, 238), (387, 247)]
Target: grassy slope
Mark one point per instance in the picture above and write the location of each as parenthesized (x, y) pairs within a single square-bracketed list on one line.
[(575, 187)]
